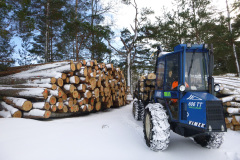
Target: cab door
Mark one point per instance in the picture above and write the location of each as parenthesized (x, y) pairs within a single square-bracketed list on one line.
[(171, 81)]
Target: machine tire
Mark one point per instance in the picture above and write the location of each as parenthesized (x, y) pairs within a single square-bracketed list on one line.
[(137, 110), (211, 140), (156, 127)]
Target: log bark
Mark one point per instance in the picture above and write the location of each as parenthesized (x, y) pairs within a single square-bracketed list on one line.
[(37, 113), (13, 111), (19, 103), (41, 105), (233, 104), (37, 93)]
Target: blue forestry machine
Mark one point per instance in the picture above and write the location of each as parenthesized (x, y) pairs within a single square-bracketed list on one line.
[(183, 99)]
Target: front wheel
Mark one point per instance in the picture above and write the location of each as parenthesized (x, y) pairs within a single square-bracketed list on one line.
[(156, 127), (210, 140)]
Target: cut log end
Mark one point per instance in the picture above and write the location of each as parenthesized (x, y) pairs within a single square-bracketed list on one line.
[(47, 114), (27, 106), (17, 114), (73, 67), (60, 82)]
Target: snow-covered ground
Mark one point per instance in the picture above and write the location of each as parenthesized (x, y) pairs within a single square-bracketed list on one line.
[(109, 135)]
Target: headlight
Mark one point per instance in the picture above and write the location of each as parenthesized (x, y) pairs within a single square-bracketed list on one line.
[(205, 46), (216, 88), (189, 45), (182, 88)]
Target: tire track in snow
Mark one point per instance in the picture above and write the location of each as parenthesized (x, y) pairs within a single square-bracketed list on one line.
[(127, 119)]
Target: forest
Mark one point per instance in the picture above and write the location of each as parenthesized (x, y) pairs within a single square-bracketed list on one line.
[(57, 30)]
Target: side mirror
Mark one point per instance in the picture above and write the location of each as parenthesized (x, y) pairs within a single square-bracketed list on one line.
[(159, 48)]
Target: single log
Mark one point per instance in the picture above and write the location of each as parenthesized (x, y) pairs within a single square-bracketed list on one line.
[(37, 93), (64, 97), (229, 98), (79, 65), (151, 76), (97, 106), (19, 103), (13, 111), (59, 105), (91, 101), (30, 85), (37, 113), (60, 82), (52, 100), (69, 88), (81, 88), (67, 80), (74, 80), (233, 104), (95, 93), (41, 105), (233, 110), (53, 108)]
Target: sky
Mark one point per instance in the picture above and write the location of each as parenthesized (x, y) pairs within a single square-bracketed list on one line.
[(123, 15)]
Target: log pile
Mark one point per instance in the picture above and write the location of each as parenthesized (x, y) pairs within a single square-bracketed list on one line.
[(62, 89), (145, 87), (230, 96)]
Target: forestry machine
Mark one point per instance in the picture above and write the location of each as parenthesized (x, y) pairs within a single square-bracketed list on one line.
[(183, 99)]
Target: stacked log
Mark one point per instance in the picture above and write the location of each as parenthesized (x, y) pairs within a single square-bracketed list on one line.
[(62, 89), (230, 96), (145, 87)]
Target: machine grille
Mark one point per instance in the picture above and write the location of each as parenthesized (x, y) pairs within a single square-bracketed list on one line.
[(215, 116)]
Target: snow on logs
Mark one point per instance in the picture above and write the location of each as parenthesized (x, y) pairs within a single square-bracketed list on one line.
[(145, 86), (61, 89), (230, 96)]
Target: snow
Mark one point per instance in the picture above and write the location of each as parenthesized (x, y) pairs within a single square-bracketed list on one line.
[(5, 114), (9, 108), (109, 135), (38, 105), (17, 101), (72, 79), (34, 112)]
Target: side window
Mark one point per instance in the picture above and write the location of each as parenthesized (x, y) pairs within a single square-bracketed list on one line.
[(160, 74), (171, 77)]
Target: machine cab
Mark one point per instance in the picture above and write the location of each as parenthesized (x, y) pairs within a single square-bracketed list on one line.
[(184, 85)]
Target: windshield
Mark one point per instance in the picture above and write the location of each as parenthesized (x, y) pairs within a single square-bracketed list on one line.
[(196, 71)]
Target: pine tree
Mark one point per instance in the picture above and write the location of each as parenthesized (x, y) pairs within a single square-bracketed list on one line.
[(6, 49)]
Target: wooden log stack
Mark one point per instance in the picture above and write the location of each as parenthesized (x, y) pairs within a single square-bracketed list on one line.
[(230, 96), (62, 89), (145, 87)]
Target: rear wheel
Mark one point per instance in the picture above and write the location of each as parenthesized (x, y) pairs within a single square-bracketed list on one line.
[(210, 140), (137, 110), (156, 127)]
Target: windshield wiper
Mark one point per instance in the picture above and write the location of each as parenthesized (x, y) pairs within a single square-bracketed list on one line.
[(190, 68)]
